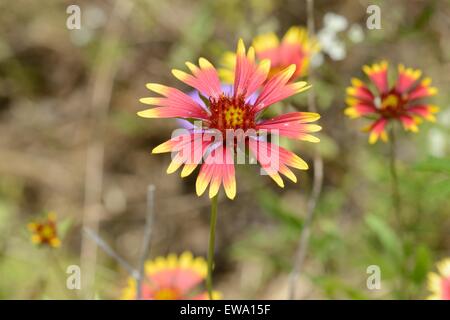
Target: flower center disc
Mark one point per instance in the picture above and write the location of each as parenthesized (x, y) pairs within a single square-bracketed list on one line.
[(47, 231), (231, 113), (392, 104), (166, 294)]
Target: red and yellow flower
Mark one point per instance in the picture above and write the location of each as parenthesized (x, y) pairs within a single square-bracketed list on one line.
[(45, 232), (235, 113), (296, 47), (439, 283), (401, 102), (172, 278)]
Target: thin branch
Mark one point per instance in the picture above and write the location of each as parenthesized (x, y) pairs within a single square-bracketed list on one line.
[(147, 237), (304, 237), (109, 251), (317, 181)]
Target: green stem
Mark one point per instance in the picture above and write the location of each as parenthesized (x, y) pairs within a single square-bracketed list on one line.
[(397, 206), (212, 239), (394, 178)]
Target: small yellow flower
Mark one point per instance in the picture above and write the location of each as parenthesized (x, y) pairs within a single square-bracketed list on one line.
[(439, 283), (45, 232)]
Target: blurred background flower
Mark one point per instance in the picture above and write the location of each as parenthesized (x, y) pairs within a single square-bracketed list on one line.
[(45, 232), (439, 283), (172, 278), (402, 102), (296, 47)]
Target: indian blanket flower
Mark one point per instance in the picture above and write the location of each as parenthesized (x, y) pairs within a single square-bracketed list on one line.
[(172, 278), (296, 47), (402, 102), (235, 112), (439, 283), (45, 232)]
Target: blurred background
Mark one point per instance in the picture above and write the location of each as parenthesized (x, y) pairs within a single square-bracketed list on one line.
[(70, 142)]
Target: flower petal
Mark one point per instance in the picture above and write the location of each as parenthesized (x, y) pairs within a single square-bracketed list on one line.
[(248, 76), (174, 104), (205, 79), (293, 125), (264, 43), (301, 117), (409, 123), (217, 169), (424, 111), (357, 108), (186, 149), (360, 91), (377, 131), (274, 159), (423, 90), (378, 74), (406, 78), (277, 89), (297, 47)]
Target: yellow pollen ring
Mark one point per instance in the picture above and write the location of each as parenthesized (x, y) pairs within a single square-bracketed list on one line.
[(390, 101), (166, 294), (47, 231), (234, 116)]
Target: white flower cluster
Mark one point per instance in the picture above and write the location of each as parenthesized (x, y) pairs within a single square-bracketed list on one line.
[(329, 41)]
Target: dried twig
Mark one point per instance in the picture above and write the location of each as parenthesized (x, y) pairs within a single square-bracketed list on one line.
[(109, 251), (317, 181), (147, 237)]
